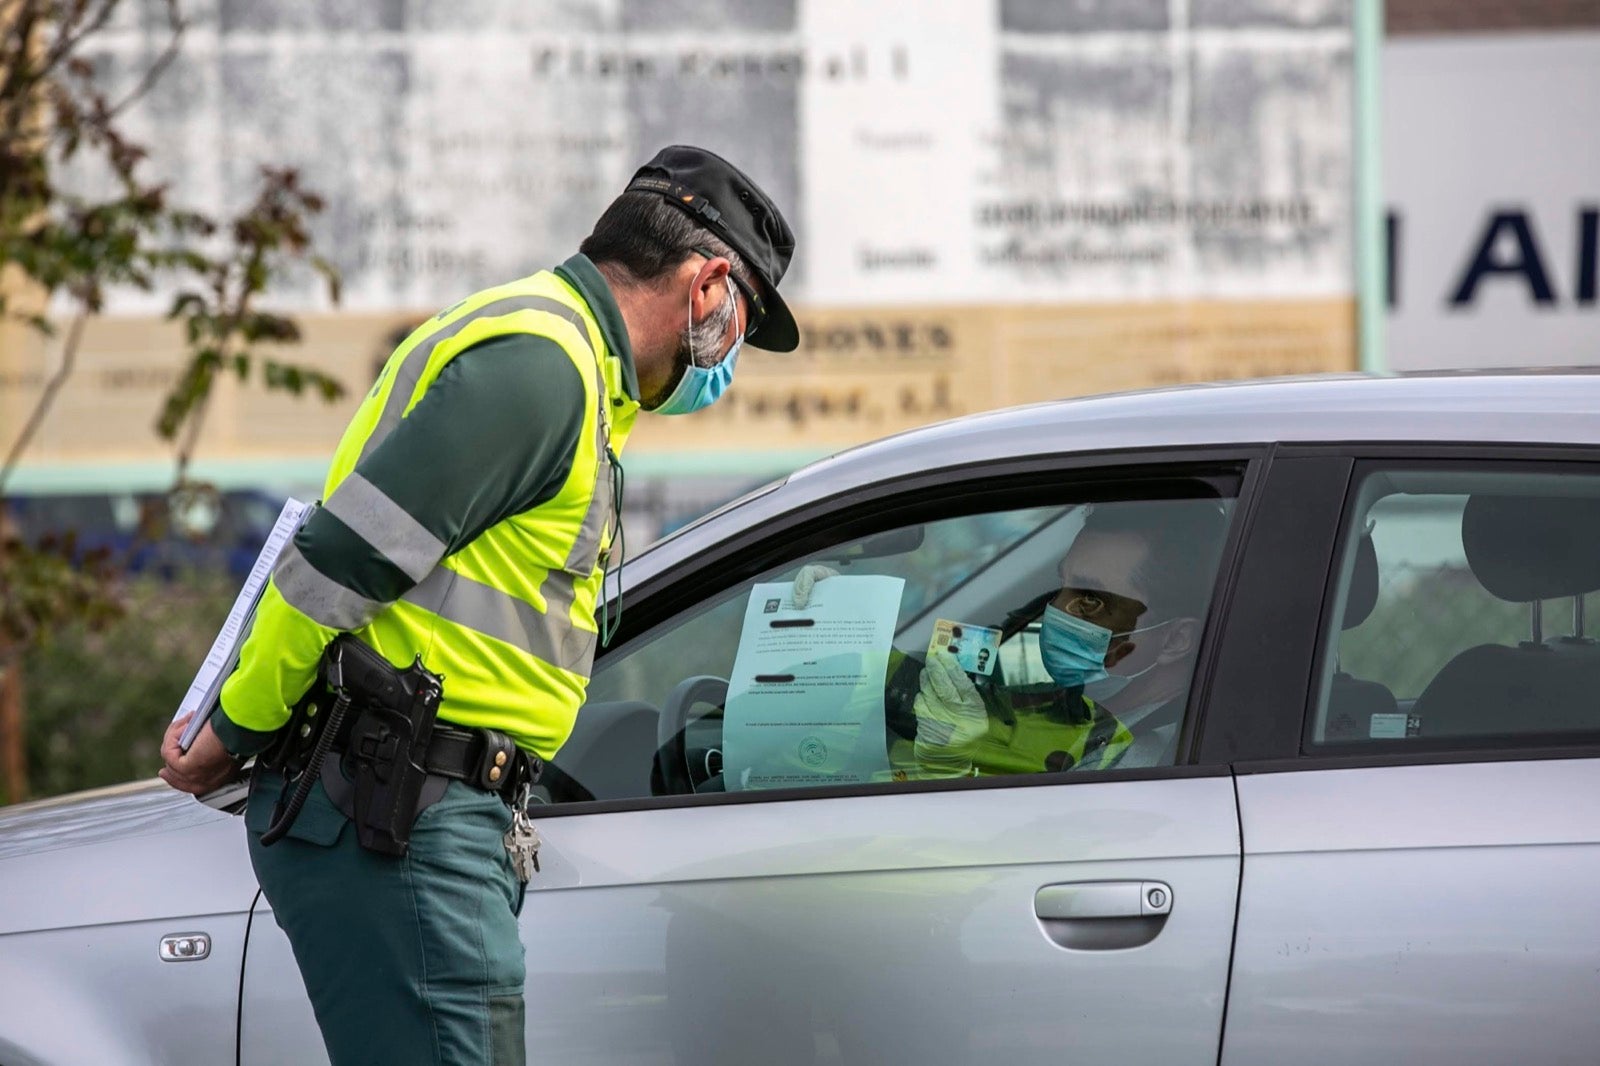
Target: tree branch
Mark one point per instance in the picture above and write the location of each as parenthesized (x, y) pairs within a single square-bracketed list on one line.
[(69, 357), (229, 327), (71, 36), (152, 75)]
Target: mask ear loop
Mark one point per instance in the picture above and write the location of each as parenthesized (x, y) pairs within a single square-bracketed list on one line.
[(609, 625)]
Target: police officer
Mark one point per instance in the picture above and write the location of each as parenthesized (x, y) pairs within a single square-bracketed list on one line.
[(468, 519), (1118, 639)]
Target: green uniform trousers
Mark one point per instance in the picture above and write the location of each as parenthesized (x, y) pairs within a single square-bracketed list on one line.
[(407, 960)]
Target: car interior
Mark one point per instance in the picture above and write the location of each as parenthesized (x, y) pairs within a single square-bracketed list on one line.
[(631, 748), (1352, 701), (1524, 550), (1441, 561)]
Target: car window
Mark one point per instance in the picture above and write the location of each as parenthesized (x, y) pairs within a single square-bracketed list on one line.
[(1464, 603), (949, 648)]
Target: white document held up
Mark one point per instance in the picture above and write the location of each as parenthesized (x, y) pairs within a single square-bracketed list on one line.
[(805, 698), (201, 699)]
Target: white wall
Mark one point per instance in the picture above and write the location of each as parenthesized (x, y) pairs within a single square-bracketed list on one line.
[(1477, 129)]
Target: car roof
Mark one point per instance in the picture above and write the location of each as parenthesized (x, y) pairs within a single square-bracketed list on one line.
[(1496, 407)]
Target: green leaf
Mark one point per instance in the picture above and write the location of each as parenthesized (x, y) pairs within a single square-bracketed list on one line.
[(187, 303), (262, 326)]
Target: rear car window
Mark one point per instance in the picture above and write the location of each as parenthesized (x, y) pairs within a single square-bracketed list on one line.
[(1465, 610)]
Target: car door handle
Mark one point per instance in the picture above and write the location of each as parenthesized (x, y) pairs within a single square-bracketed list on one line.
[(1103, 915)]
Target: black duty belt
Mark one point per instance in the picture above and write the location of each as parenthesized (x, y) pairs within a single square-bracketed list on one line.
[(483, 758)]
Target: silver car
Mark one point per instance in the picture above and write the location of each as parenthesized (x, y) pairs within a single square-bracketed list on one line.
[(1356, 825)]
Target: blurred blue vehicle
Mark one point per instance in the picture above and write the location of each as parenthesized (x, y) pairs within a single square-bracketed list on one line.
[(221, 530)]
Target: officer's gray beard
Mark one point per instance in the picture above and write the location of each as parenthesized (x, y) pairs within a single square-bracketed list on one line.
[(698, 345), (707, 335)]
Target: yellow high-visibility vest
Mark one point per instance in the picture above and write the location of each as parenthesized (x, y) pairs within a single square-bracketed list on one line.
[(509, 619)]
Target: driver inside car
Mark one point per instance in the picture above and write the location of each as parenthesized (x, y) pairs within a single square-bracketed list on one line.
[(1118, 640)]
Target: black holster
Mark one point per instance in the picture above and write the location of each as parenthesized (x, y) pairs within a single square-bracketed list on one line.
[(388, 756), (381, 719)]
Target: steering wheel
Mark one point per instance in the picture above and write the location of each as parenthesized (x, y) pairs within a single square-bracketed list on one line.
[(672, 746)]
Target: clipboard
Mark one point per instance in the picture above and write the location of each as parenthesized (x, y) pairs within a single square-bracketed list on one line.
[(201, 698)]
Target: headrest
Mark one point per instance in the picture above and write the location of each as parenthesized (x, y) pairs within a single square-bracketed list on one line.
[(1524, 548), (1363, 595)]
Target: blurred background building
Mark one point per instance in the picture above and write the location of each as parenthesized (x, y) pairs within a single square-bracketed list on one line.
[(1013, 201)]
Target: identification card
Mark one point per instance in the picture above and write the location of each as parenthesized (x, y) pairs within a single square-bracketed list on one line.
[(976, 648)]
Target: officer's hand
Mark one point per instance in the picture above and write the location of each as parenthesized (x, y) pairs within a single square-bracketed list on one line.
[(807, 579), (951, 718), (204, 768)]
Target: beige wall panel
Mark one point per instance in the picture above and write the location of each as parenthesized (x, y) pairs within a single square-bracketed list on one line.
[(862, 373)]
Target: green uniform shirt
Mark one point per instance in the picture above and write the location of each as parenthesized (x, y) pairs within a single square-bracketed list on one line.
[(1031, 730)]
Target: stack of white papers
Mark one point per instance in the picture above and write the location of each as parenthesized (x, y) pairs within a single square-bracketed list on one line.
[(201, 699)]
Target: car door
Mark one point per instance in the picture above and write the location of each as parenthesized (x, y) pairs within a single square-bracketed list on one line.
[(1417, 858), (871, 915)]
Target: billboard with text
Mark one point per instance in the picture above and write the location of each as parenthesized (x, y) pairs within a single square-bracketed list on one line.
[(997, 202)]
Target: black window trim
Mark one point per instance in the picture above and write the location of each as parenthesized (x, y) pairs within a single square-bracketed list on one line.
[(1419, 751), (1583, 746), (894, 500), (1256, 691)]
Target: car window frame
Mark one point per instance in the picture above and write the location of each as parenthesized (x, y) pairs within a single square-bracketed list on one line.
[(1511, 744), (746, 553), (1364, 459)]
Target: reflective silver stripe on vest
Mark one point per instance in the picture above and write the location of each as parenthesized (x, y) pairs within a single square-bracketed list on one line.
[(385, 525), (561, 587), (416, 361), (318, 597), (548, 635), (484, 609)]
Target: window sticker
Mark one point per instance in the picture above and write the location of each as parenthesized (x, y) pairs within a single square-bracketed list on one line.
[(1395, 726)]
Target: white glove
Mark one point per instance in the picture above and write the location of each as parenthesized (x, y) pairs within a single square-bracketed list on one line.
[(951, 718), (807, 579)]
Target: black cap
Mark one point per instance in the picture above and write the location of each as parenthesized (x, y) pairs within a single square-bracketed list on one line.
[(718, 196)]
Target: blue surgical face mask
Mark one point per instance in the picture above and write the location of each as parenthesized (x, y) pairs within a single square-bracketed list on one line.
[(1109, 686), (1074, 653), (1073, 649), (701, 386)]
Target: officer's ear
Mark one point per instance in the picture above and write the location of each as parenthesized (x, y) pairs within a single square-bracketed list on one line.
[(1180, 640), (1119, 652), (710, 278)]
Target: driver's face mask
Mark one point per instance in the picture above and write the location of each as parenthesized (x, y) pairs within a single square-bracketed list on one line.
[(1074, 652), (1073, 649)]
